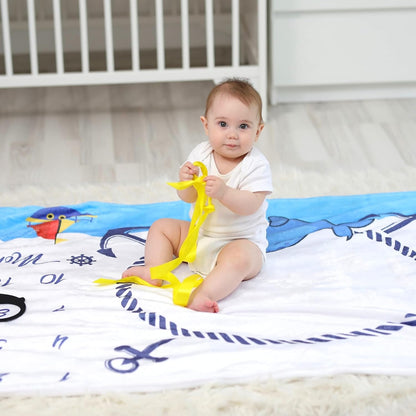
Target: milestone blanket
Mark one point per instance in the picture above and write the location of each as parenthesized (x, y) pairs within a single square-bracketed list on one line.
[(337, 294)]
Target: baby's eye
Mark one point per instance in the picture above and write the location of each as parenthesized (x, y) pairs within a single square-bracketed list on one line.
[(244, 126), (222, 124)]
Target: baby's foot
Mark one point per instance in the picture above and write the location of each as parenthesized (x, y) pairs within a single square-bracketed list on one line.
[(144, 273), (202, 303)]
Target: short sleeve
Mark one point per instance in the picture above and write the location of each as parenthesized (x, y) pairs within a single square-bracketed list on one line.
[(256, 174), (200, 153)]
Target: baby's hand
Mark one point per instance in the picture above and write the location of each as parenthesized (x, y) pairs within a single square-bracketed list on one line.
[(187, 171), (215, 187)]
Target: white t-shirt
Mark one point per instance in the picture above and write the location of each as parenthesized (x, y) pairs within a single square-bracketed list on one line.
[(252, 174)]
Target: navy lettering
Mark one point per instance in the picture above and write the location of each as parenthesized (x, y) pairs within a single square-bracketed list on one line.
[(7, 282), (59, 340), (51, 278), (18, 259)]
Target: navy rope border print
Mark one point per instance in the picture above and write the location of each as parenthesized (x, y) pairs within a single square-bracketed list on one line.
[(131, 304), (389, 242)]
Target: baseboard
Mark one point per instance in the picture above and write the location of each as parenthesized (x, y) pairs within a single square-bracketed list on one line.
[(342, 92)]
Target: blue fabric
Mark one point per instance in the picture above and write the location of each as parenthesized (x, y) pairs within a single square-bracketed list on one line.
[(336, 209)]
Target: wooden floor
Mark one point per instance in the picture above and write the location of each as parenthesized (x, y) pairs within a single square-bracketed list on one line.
[(131, 134)]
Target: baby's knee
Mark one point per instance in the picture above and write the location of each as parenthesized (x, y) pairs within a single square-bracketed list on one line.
[(247, 258), (239, 259), (161, 225)]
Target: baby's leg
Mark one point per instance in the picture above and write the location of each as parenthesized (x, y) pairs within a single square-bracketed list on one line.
[(237, 261), (164, 239)]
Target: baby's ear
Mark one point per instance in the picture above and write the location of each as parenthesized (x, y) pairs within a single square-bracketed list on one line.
[(204, 122), (259, 130)]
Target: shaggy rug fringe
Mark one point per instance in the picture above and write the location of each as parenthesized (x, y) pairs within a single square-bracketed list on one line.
[(325, 396), (289, 183)]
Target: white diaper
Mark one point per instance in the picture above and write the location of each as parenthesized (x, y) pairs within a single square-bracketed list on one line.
[(207, 252)]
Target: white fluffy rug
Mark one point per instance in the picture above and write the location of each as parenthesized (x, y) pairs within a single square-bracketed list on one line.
[(329, 396), (347, 394), (289, 183)]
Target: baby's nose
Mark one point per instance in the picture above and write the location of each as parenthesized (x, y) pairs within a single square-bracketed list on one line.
[(232, 133)]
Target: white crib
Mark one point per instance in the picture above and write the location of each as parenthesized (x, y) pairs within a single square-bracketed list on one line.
[(84, 42)]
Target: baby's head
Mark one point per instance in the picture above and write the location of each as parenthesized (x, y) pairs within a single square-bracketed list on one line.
[(237, 88)]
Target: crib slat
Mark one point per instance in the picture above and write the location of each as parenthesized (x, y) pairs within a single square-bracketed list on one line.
[(57, 23), (160, 37), (134, 33), (83, 28), (262, 52), (235, 33), (185, 33), (209, 27), (8, 62), (262, 47), (34, 65), (109, 49)]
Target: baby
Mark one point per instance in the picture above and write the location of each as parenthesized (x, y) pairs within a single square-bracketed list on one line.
[(232, 241)]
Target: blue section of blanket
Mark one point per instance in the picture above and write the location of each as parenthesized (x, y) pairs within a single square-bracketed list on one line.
[(340, 213)]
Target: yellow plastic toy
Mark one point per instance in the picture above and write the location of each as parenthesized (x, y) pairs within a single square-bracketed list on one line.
[(181, 290)]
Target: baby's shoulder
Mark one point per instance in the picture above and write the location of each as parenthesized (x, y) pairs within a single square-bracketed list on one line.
[(201, 151), (255, 156)]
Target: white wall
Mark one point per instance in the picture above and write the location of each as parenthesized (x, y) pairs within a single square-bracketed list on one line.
[(342, 49)]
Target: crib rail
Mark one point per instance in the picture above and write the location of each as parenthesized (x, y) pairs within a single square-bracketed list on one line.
[(33, 24)]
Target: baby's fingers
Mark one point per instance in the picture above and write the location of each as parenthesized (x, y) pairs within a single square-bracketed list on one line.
[(191, 168)]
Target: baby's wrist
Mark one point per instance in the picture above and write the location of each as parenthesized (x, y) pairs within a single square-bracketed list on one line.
[(223, 194)]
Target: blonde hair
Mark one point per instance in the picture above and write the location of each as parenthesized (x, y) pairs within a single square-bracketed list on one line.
[(238, 88)]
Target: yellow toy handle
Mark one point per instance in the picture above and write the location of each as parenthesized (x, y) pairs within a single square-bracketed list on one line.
[(181, 290)]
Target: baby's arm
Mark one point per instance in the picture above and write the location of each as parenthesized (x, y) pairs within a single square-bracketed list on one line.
[(186, 173), (239, 201)]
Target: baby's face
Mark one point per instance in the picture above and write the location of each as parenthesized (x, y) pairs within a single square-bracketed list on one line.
[(232, 126)]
